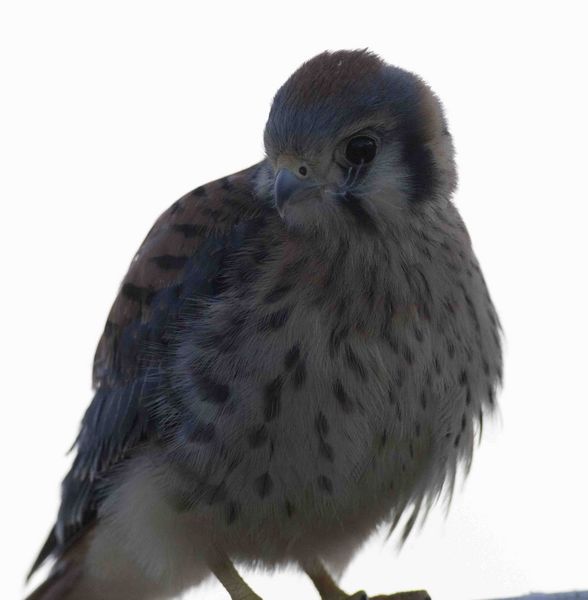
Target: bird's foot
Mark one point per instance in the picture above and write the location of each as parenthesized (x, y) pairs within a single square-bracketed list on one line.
[(415, 595)]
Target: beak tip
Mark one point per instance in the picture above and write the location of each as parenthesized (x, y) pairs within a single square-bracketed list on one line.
[(286, 184)]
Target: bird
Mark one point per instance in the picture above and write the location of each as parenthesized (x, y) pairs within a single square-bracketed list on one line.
[(299, 354)]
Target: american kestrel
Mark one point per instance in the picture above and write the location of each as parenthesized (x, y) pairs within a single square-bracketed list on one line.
[(299, 353)]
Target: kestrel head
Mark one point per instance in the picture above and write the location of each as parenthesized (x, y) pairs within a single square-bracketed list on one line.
[(354, 143)]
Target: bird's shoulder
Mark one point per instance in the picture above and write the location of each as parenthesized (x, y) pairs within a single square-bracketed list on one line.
[(186, 238), (181, 258)]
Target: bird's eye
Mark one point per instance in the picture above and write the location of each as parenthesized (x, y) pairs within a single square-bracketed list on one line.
[(360, 150)]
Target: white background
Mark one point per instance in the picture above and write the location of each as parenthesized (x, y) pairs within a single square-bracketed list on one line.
[(109, 111)]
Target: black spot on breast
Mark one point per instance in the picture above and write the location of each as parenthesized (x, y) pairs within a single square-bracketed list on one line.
[(257, 437), (291, 357), (272, 395), (408, 355), (423, 400), (216, 493), (326, 450), (383, 439), (486, 367), (290, 510), (392, 396), (463, 377), (491, 399), (212, 391), (321, 424), (451, 349), (398, 412), (137, 293), (278, 293), (232, 512), (190, 230), (468, 397), (341, 396), (264, 485), (169, 262), (202, 433), (399, 378), (299, 376), (338, 334), (234, 463), (274, 321), (325, 484), (354, 363), (391, 341)]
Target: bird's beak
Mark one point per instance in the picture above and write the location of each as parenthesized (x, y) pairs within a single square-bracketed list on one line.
[(286, 185)]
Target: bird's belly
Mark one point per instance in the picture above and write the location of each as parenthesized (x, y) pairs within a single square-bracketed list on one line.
[(317, 454)]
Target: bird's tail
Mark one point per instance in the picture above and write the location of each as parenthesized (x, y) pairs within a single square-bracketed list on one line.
[(77, 576), (63, 583)]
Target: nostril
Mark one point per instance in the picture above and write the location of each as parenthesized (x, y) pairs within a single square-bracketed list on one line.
[(303, 171)]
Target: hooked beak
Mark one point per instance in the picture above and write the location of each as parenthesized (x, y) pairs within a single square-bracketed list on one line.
[(286, 185)]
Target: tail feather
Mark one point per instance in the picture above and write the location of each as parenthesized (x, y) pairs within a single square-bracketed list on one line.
[(60, 582), (66, 574), (46, 551)]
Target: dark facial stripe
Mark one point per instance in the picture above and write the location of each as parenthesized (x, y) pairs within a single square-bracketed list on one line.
[(421, 166), (353, 205)]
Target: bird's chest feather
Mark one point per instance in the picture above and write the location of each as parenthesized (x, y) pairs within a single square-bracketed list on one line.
[(301, 409), (291, 400)]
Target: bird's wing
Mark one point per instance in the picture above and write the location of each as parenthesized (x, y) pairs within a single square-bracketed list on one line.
[(181, 258)]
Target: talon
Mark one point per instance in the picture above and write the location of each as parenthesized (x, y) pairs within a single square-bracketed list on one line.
[(414, 595)]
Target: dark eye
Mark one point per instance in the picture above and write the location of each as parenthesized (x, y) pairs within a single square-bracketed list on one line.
[(360, 149)]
